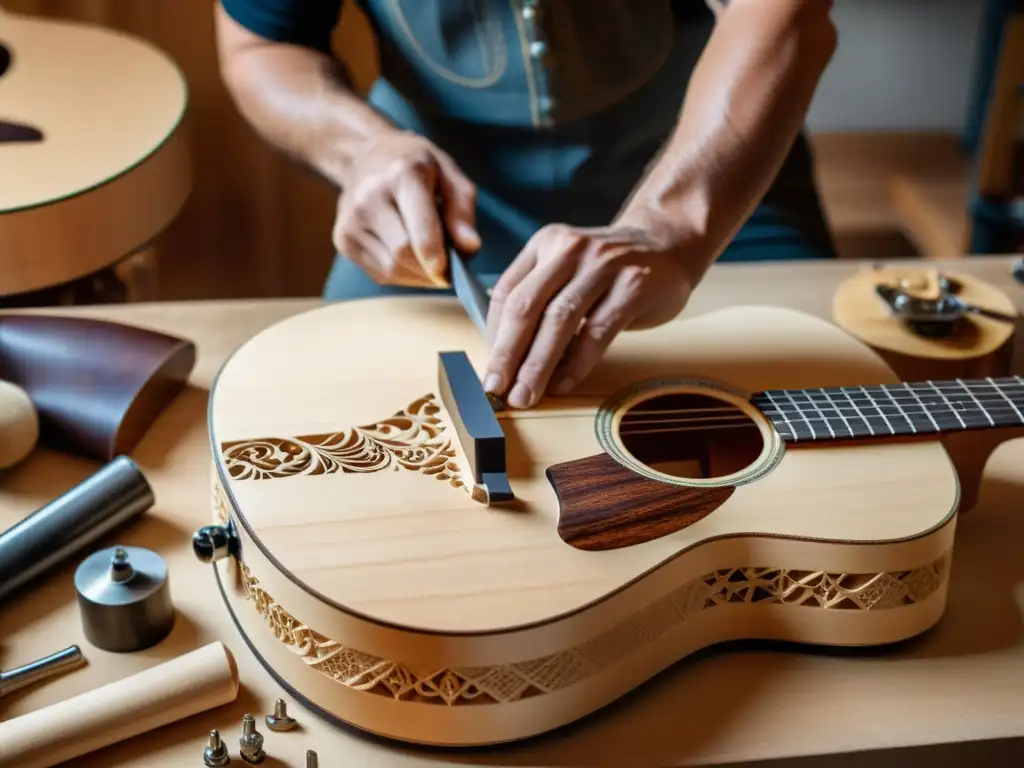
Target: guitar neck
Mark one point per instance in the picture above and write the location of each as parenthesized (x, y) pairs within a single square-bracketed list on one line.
[(904, 409)]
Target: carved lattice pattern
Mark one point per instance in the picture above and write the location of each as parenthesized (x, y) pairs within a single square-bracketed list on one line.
[(509, 682)]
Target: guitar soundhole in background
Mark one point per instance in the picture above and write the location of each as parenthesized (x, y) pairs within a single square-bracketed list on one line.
[(690, 436), (14, 131)]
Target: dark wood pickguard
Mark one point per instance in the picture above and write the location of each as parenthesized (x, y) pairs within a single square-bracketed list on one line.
[(604, 505)]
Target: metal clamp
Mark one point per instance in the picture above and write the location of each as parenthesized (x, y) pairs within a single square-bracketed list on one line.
[(215, 542)]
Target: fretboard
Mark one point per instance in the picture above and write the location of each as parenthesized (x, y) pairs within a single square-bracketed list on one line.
[(912, 408)]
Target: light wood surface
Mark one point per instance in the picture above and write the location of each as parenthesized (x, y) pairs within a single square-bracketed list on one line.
[(962, 681), (112, 169)]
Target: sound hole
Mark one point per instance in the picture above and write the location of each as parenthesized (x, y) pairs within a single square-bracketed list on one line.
[(690, 436), (14, 132)]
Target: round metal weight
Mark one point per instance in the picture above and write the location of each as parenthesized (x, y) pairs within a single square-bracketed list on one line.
[(124, 599)]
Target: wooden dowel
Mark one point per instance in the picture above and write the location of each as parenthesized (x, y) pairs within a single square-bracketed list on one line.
[(193, 683)]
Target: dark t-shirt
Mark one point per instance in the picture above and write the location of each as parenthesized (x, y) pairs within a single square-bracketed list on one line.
[(554, 107), (509, 62)]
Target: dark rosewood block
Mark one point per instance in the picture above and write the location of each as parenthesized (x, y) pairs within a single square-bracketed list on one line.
[(98, 385), (604, 505)]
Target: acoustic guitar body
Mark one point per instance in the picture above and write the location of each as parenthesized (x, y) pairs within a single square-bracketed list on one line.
[(657, 512), (94, 154)]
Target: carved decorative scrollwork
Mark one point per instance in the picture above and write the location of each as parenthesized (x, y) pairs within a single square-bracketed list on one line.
[(412, 439)]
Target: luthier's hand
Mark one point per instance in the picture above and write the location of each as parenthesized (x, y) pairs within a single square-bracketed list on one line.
[(588, 283), (389, 221)]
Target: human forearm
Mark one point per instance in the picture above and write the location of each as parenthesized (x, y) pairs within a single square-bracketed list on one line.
[(297, 100), (390, 179), (747, 100)]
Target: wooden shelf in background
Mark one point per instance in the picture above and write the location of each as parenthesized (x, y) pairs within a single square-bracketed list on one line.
[(933, 211), (856, 172)]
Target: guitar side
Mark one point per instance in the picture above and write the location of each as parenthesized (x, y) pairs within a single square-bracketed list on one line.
[(476, 690)]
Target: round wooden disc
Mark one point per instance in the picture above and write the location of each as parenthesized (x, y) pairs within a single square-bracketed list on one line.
[(858, 310), (111, 169)]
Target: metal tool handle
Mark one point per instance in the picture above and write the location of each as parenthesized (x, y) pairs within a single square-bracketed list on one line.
[(42, 669), (114, 494)]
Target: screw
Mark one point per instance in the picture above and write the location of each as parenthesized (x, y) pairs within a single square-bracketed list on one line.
[(311, 759), (120, 569), (216, 753), (251, 743), (280, 721)]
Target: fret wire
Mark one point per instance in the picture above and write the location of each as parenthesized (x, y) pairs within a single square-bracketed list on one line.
[(996, 398), (980, 406), (923, 408), (900, 409), (801, 413), (856, 408), (990, 405), (824, 418), (1012, 405), (939, 392), (835, 406), (955, 412), (888, 423), (959, 384), (914, 397), (785, 418)]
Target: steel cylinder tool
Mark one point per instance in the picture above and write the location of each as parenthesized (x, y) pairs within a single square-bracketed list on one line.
[(114, 494), (124, 599)]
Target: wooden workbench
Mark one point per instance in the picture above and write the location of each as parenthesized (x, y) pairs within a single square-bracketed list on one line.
[(962, 682)]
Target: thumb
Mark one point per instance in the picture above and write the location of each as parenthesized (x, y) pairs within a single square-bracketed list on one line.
[(458, 207)]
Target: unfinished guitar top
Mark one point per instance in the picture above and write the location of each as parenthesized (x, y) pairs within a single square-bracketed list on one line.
[(981, 346), (334, 450)]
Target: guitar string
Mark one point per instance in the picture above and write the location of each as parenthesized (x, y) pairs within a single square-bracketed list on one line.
[(915, 401), (731, 416)]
